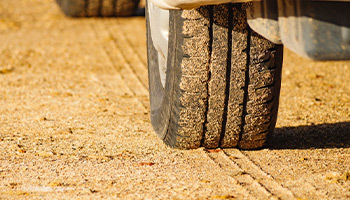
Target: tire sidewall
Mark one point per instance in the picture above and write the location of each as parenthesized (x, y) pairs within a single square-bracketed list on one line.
[(164, 101)]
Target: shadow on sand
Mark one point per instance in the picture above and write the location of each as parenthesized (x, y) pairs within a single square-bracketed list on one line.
[(314, 136)]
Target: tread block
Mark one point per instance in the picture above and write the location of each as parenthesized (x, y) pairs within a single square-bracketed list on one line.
[(260, 96)]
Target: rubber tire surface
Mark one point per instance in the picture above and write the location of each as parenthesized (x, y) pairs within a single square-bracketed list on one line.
[(223, 81), (98, 8)]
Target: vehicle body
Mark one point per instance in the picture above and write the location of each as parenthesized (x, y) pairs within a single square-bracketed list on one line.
[(317, 29)]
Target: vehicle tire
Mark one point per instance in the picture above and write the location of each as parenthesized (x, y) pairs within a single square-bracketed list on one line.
[(222, 80), (98, 8)]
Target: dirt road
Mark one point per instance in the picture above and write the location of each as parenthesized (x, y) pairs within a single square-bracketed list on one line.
[(74, 121)]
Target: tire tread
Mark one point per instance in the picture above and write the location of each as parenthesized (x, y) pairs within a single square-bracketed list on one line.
[(225, 80)]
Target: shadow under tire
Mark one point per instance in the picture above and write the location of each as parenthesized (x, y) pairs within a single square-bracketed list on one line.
[(222, 81), (98, 8)]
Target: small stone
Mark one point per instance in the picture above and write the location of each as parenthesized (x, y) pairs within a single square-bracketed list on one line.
[(93, 191), (346, 176), (236, 173), (56, 183), (223, 197), (43, 119), (146, 163), (21, 151), (6, 70), (12, 185), (45, 154)]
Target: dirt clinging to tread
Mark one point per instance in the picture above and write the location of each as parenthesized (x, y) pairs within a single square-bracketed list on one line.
[(232, 74), (196, 47)]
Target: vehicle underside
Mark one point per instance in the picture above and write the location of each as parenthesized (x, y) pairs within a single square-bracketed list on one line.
[(319, 30)]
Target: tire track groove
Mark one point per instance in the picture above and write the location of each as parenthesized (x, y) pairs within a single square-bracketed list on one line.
[(122, 66), (250, 176), (265, 179), (140, 54), (129, 53), (304, 189), (300, 188), (233, 170), (241, 191)]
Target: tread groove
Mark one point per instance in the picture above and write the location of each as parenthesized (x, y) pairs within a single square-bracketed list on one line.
[(211, 21), (265, 103), (127, 45), (114, 11), (267, 86), (100, 7), (246, 85), (228, 72), (86, 7)]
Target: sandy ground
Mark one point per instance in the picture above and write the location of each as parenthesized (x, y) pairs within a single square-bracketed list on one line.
[(74, 118)]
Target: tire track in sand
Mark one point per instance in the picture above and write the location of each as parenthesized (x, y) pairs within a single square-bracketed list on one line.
[(251, 177), (120, 63)]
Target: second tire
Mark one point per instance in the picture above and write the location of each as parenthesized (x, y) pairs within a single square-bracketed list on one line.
[(98, 8)]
